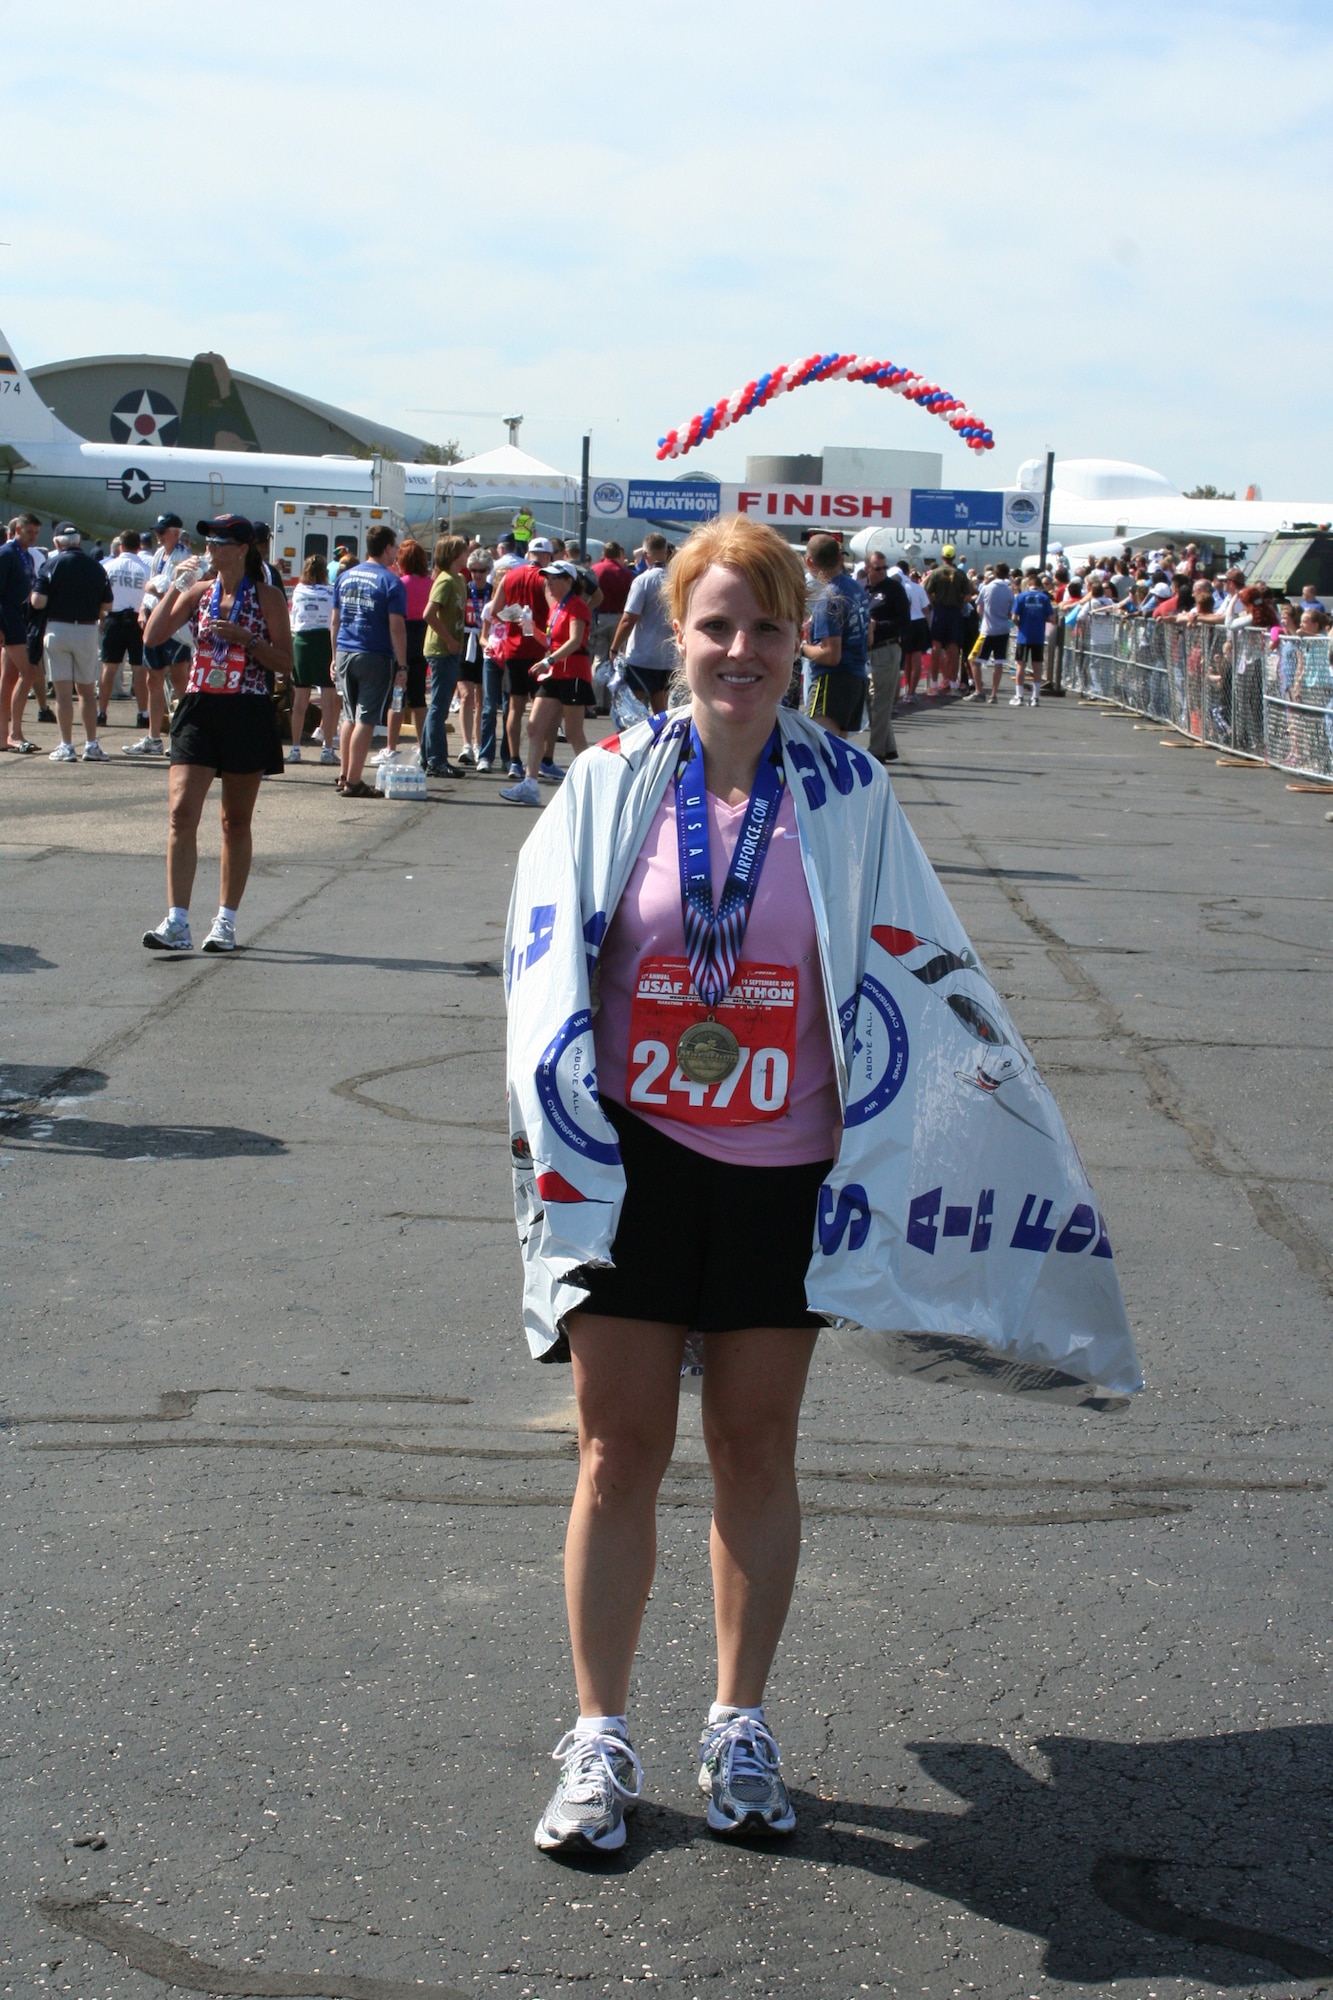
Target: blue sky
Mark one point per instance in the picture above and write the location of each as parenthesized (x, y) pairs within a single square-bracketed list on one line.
[(1107, 229)]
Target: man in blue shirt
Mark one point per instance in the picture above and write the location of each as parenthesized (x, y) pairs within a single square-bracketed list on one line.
[(837, 640), (1032, 613), (369, 628)]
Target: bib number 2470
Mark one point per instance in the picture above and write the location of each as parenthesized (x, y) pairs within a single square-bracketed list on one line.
[(759, 1080)]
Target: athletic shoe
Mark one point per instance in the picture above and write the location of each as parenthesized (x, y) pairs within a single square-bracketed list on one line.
[(976, 695), (1033, 701), (467, 756), (294, 754), (550, 773), (524, 793), (740, 1769), (222, 937), (169, 936), (101, 718), (147, 746), (1017, 700), (601, 1780), (516, 770), (328, 756), (64, 753), (485, 766), (93, 753), (49, 715), (991, 700)]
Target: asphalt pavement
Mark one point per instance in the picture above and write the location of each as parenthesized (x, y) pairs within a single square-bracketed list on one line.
[(281, 1632)]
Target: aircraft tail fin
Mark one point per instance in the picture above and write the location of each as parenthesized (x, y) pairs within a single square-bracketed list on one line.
[(24, 417)]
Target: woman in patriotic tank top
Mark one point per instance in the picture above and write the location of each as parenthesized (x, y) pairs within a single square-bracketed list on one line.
[(225, 725), (715, 1066)]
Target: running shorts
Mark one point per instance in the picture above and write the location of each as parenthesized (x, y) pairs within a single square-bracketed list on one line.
[(232, 733), (838, 696), (71, 653), (518, 683), (121, 635), (365, 682), (995, 646), (572, 694), (946, 625), (918, 636), (1031, 652), (703, 1243)]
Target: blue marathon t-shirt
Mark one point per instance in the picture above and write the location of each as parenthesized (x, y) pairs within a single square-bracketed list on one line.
[(365, 597), (1032, 609), (842, 611)]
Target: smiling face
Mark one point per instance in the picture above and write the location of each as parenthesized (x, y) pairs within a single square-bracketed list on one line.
[(738, 657)]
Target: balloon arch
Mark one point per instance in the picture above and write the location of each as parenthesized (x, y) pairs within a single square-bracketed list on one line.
[(827, 368)]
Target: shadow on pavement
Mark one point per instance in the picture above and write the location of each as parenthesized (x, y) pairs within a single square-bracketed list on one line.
[(24, 958), (1197, 1859), (469, 968)]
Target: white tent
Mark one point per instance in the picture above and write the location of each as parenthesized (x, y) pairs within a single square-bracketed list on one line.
[(497, 478)]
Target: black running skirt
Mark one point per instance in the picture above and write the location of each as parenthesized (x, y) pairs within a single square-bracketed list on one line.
[(236, 733)]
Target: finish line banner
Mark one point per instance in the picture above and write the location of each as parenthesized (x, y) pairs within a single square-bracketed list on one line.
[(690, 500), (854, 507)]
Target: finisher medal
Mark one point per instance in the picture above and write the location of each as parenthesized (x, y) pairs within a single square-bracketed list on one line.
[(707, 1052)]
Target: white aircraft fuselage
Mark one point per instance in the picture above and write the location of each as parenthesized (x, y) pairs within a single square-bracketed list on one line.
[(48, 469)]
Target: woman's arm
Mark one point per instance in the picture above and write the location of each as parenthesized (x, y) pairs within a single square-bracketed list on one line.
[(275, 653), (172, 612), (573, 644)]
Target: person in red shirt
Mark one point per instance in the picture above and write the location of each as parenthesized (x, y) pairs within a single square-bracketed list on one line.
[(563, 684), (614, 577), (519, 609)]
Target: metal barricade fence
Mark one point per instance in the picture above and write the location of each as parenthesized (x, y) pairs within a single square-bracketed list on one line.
[(1238, 690)]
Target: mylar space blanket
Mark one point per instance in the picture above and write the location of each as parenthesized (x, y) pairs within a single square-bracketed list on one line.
[(957, 1236)]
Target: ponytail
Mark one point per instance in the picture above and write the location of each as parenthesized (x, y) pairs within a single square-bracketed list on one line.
[(254, 565)]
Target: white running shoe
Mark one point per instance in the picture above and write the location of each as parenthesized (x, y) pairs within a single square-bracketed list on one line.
[(64, 753), (524, 793), (740, 1769), (93, 753), (485, 766), (169, 936), (147, 746), (467, 756), (328, 756), (1034, 700), (601, 1780), (222, 937), (294, 754), (1016, 700)]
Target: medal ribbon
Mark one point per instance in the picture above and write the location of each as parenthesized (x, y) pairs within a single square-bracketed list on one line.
[(713, 937), (222, 647)]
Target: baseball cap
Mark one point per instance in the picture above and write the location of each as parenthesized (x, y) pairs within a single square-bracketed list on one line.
[(229, 528), (948, 550), (562, 569), (165, 521), (540, 546), (1161, 590), (67, 532)]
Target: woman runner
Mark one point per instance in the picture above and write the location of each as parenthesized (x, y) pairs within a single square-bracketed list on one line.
[(224, 725)]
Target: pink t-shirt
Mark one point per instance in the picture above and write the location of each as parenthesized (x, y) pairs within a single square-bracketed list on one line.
[(418, 594), (781, 933)]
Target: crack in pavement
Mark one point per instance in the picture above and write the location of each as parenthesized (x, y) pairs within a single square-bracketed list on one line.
[(1165, 1095), (175, 1966)]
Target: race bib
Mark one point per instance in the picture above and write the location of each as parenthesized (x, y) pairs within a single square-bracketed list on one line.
[(760, 1011)]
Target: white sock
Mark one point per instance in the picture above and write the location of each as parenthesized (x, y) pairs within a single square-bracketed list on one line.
[(722, 1711), (602, 1725), (227, 916), (178, 914)]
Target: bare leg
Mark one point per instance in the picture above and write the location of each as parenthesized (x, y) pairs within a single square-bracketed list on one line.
[(65, 710), (187, 788), (753, 1384), (627, 1380), (157, 700), (514, 727), (240, 789), (13, 692), (354, 748), (543, 721), (88, 709), (330, 715), (141, 680), (575, 734), (470, 718), (300, 703), (395, 723), (108, 681)]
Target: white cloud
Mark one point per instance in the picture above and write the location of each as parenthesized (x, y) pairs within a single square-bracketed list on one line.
[(1105, 229)]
